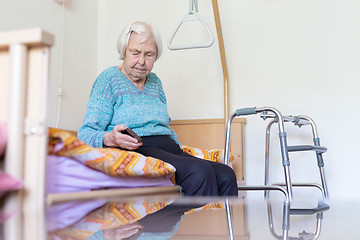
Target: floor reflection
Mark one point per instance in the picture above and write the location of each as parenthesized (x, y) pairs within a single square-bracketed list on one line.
[(99, 219), (140, 219), (288, 211), (183, 218)]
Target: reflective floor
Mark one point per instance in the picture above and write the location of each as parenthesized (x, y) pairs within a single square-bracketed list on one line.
[(174, 217)]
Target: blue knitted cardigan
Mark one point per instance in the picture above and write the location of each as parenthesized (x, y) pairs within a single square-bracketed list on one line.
[(115, 100)]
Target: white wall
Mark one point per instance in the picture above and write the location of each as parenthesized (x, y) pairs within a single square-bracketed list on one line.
[(301, 57), (80, 61), (196, 72), (79, 54)]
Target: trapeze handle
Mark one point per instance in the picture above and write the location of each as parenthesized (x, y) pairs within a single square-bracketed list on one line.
[(191, 16)]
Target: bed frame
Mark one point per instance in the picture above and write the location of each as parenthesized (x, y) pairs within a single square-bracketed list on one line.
[(201, 133), (24, 64)]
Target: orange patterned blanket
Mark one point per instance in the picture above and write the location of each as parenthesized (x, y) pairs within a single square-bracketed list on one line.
[(116, 162), (111, 161)]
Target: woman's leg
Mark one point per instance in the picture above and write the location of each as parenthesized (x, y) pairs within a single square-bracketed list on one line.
[(226, 179), (196, 176)]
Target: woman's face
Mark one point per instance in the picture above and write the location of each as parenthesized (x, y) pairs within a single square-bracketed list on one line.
[(139, 57)]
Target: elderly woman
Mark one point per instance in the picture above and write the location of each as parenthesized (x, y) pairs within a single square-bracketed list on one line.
[(131, 96)]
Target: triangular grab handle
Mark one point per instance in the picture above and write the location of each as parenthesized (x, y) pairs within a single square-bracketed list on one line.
[(191, 16)]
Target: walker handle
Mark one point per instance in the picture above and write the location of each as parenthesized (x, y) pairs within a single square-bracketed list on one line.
[(245, 111)]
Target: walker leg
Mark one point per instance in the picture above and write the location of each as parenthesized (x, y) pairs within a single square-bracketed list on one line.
[(267, 156), (229, 219)]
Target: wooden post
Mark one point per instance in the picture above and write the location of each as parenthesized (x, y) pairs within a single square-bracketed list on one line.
[(24, 64), (223, 59)]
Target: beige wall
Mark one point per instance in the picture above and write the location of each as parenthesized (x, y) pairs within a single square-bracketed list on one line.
[(79, 51), (196, 72), (301, 57)]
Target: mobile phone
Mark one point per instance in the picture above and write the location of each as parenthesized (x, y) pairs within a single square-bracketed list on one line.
[(131, 133)]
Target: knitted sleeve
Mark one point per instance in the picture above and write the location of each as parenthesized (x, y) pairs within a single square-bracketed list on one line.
[(99, 113)]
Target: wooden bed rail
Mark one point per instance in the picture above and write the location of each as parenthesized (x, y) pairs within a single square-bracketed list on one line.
[(24, 64)]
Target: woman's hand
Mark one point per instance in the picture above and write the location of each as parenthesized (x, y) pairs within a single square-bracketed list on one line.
[(117, 139), (124, 231)]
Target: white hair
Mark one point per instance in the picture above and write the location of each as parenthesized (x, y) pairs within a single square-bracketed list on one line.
[(142, 28)]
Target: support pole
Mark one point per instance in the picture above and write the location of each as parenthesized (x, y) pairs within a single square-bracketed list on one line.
[(223, 59)]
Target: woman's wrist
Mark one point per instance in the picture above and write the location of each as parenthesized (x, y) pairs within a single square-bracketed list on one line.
[(108, 140)]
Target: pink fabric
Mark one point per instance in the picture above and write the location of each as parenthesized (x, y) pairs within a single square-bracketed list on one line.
[(8, 183), (6, 215), (3, 138)]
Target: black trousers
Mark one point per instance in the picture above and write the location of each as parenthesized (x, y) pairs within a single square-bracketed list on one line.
[(197, 177)]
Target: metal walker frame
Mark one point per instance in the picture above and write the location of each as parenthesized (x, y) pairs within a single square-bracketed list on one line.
[(287, 188), (277, 117)]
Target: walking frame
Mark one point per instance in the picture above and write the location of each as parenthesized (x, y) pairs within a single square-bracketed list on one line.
[(277, 117), (287, 187)]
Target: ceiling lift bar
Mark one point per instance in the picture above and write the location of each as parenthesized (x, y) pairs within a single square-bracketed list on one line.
[(192, 15)]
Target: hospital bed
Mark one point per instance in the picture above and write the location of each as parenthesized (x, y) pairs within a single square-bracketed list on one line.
[(203, 138)]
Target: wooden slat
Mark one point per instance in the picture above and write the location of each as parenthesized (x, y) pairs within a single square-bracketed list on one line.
[(29, 37), (204, 121), (108, 193), (4, 85)]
